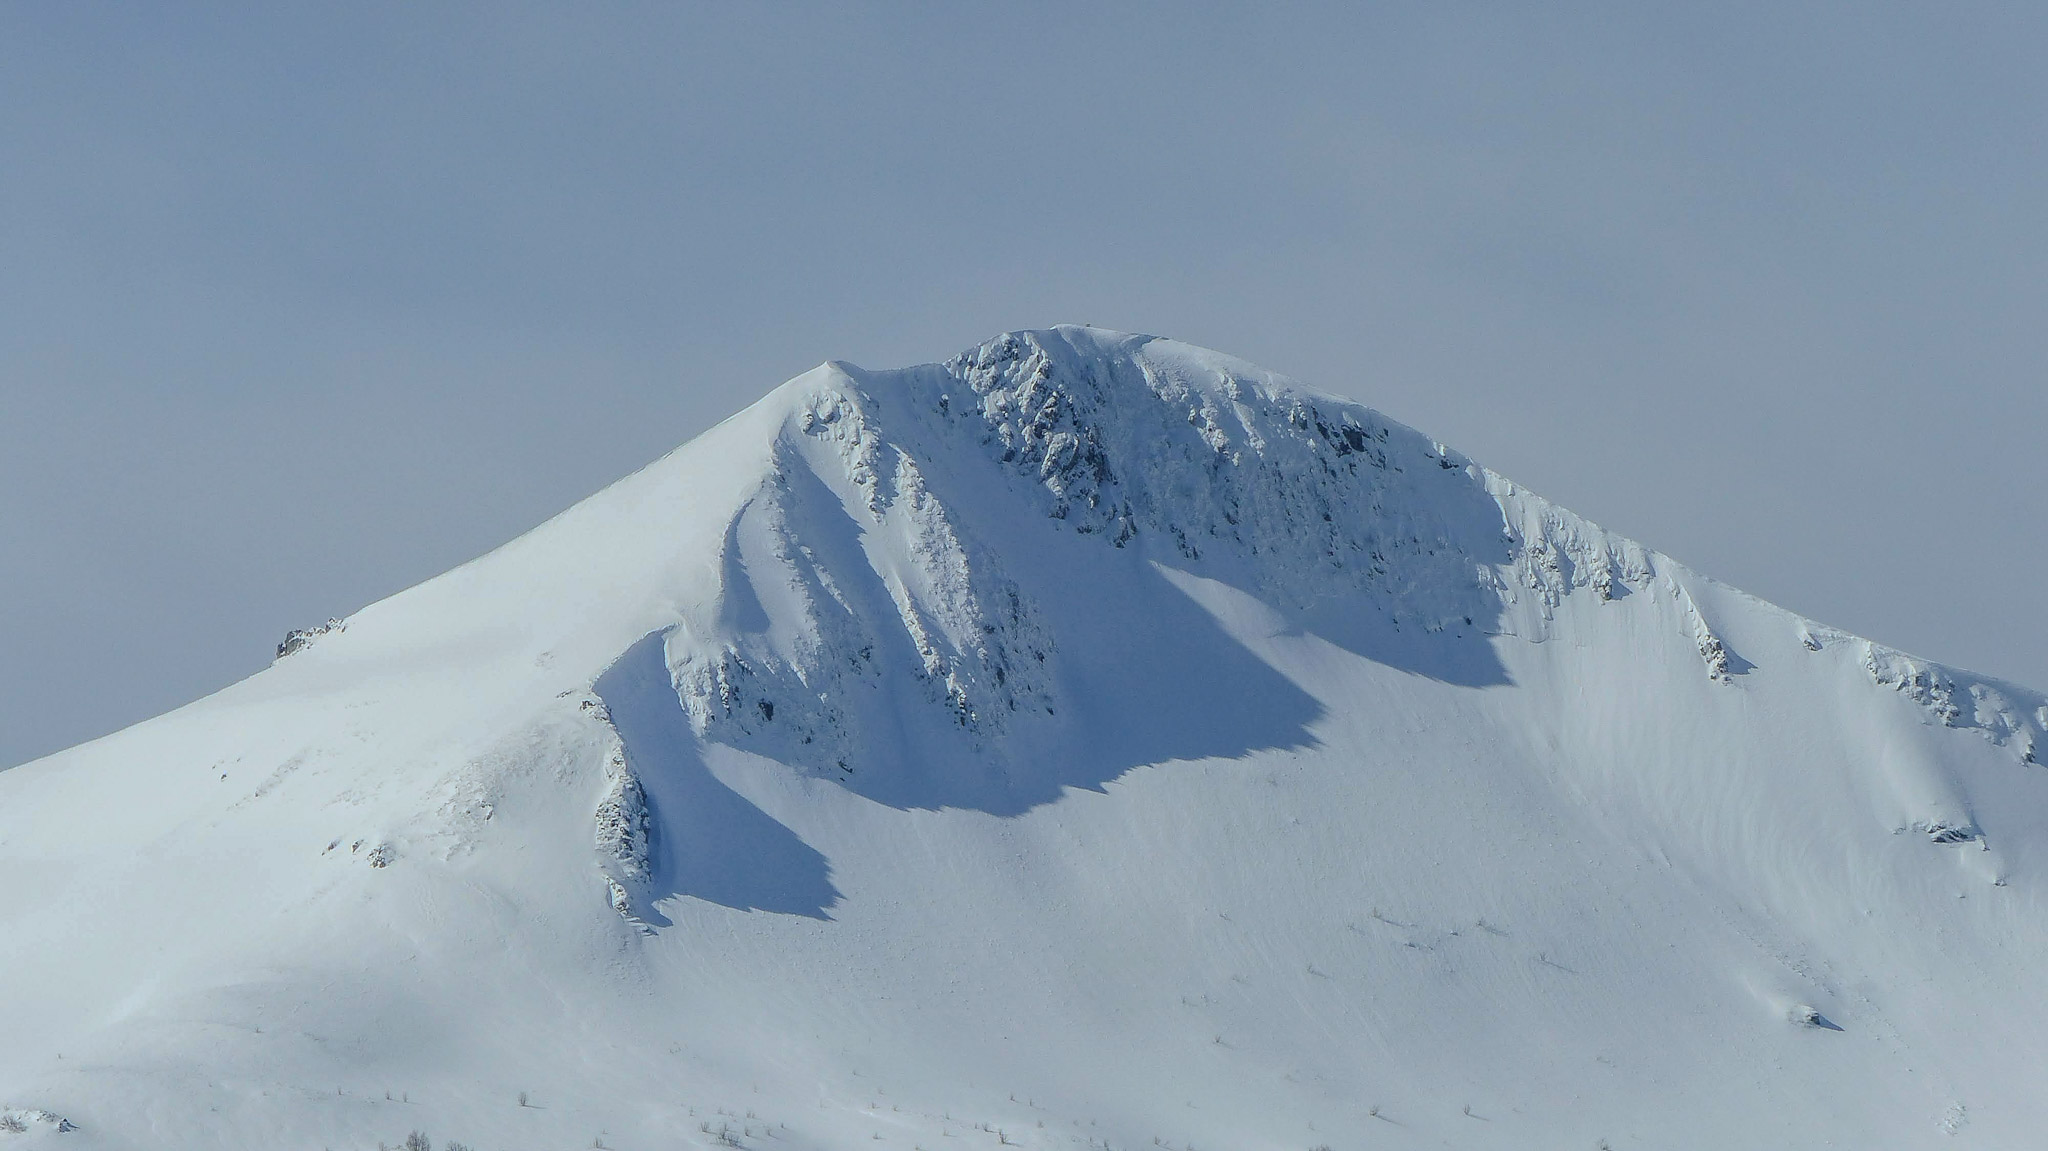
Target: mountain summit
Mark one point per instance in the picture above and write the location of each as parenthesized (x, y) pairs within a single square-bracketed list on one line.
[(1090, 741)]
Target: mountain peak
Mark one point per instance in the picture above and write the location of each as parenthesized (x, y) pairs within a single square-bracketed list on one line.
[(1044, 741)]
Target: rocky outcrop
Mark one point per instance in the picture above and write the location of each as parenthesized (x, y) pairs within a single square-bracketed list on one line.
[(300, 638), (2003, 714)]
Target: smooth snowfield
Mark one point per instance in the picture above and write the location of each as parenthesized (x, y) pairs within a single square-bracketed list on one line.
[(1092, 741)]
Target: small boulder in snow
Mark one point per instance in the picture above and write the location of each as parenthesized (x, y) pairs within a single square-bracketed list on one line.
[(1944, 831), (1811, 1017)]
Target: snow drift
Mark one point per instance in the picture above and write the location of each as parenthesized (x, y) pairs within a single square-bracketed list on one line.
[(1091, 741)]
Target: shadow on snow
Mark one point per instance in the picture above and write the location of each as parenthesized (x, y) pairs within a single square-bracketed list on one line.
[(709, 841), (1144, 675)]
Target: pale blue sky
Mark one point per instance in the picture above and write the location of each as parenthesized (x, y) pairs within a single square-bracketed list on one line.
[(300, 305)]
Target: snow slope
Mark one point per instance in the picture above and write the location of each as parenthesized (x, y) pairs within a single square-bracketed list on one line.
[(1092, 741)]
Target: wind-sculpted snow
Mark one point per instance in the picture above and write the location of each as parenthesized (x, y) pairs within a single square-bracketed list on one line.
[(1090, 741)]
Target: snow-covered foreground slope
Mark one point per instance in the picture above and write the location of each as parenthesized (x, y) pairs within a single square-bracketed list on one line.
[(1089, 742)]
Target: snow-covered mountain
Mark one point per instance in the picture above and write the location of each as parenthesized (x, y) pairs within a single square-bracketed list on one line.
[(1089, 742)]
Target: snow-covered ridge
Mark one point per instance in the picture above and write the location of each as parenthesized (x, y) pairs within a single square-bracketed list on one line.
[(858, 556), (883, 607)]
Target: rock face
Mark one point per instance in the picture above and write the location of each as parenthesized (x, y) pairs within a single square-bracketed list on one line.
[(1310, 495), (1088, 740)]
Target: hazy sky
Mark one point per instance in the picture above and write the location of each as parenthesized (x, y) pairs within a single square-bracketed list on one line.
[(301, 305)]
